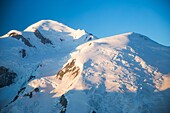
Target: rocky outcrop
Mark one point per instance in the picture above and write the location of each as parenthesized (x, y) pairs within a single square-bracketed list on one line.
[(70, 69), (42, 38), (63, 102), (23, 53), (30, 94), (7, 77), (21, 91), (18, 37)]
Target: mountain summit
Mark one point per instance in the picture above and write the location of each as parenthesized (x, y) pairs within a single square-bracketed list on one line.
[(52, 68)]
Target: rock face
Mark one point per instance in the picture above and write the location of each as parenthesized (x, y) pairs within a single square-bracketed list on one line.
[(23, 53), (70, 69), (42, 38), (7, 77), (18, 37), (63, 102)]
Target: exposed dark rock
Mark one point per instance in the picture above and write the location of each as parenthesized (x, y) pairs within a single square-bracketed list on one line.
[(23, 53), (7, 77), (30, 94), (20, 91), (42, 38), (89, 39), (13, 34), (36, 90), (69, 68), (40, 65), (90, 34), (18, 37), (31, 77), (63, 102), (61, 39), (16, 97)]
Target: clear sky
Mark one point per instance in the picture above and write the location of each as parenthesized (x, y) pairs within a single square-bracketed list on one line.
[(100, 17)]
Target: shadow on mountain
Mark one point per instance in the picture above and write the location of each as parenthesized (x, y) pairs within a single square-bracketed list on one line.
[(94, 100), (151, 52), (119, 102)]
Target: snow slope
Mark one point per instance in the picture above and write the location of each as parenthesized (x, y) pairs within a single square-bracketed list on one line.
[(126, 73), (38, 51)]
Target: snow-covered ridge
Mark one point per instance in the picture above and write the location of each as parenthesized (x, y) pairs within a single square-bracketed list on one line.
[(50, 25), (45, 44), (51, 32), (59, 69)]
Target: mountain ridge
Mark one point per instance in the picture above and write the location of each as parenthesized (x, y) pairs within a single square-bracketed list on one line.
[(122, 73)]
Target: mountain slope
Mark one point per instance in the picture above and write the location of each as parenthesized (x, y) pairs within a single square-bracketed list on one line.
[(123, 73), (43, 46)]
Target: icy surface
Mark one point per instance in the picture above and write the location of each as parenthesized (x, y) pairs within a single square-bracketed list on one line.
[(126, 73)]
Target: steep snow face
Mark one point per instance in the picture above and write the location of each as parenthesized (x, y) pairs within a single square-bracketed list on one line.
[(51, 33), (122, 73), (40, 50)]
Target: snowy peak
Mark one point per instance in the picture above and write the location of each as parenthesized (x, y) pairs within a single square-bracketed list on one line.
[(49, 25), (51, 68), (133, 37), (54, 26), (141, 45), (51, 33)]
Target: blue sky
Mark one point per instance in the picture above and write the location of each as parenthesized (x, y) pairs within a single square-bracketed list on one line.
[(100, 17)]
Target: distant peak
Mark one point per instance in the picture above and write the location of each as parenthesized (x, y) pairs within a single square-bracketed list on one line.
[(49, 25), (14, 31), (11, 32), (132, 33), (47, 22)]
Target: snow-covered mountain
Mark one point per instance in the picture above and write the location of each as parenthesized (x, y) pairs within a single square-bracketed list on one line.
[(52, 68)]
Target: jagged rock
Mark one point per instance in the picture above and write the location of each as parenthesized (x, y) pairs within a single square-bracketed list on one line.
[(63, 102), (23, 53), (31, 77), (89, 39), (18, 37), (36, 90), (30, 94), (20, 91), (61, 39), (42, 38), (6, 76), (69, 68)]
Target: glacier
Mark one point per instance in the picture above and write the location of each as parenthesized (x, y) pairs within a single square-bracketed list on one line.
[(62, 70)]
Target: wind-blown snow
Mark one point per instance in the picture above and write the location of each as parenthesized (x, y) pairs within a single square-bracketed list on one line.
[(123, 73)]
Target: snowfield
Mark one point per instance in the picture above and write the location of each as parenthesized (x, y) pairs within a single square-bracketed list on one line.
[(62, 70)]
